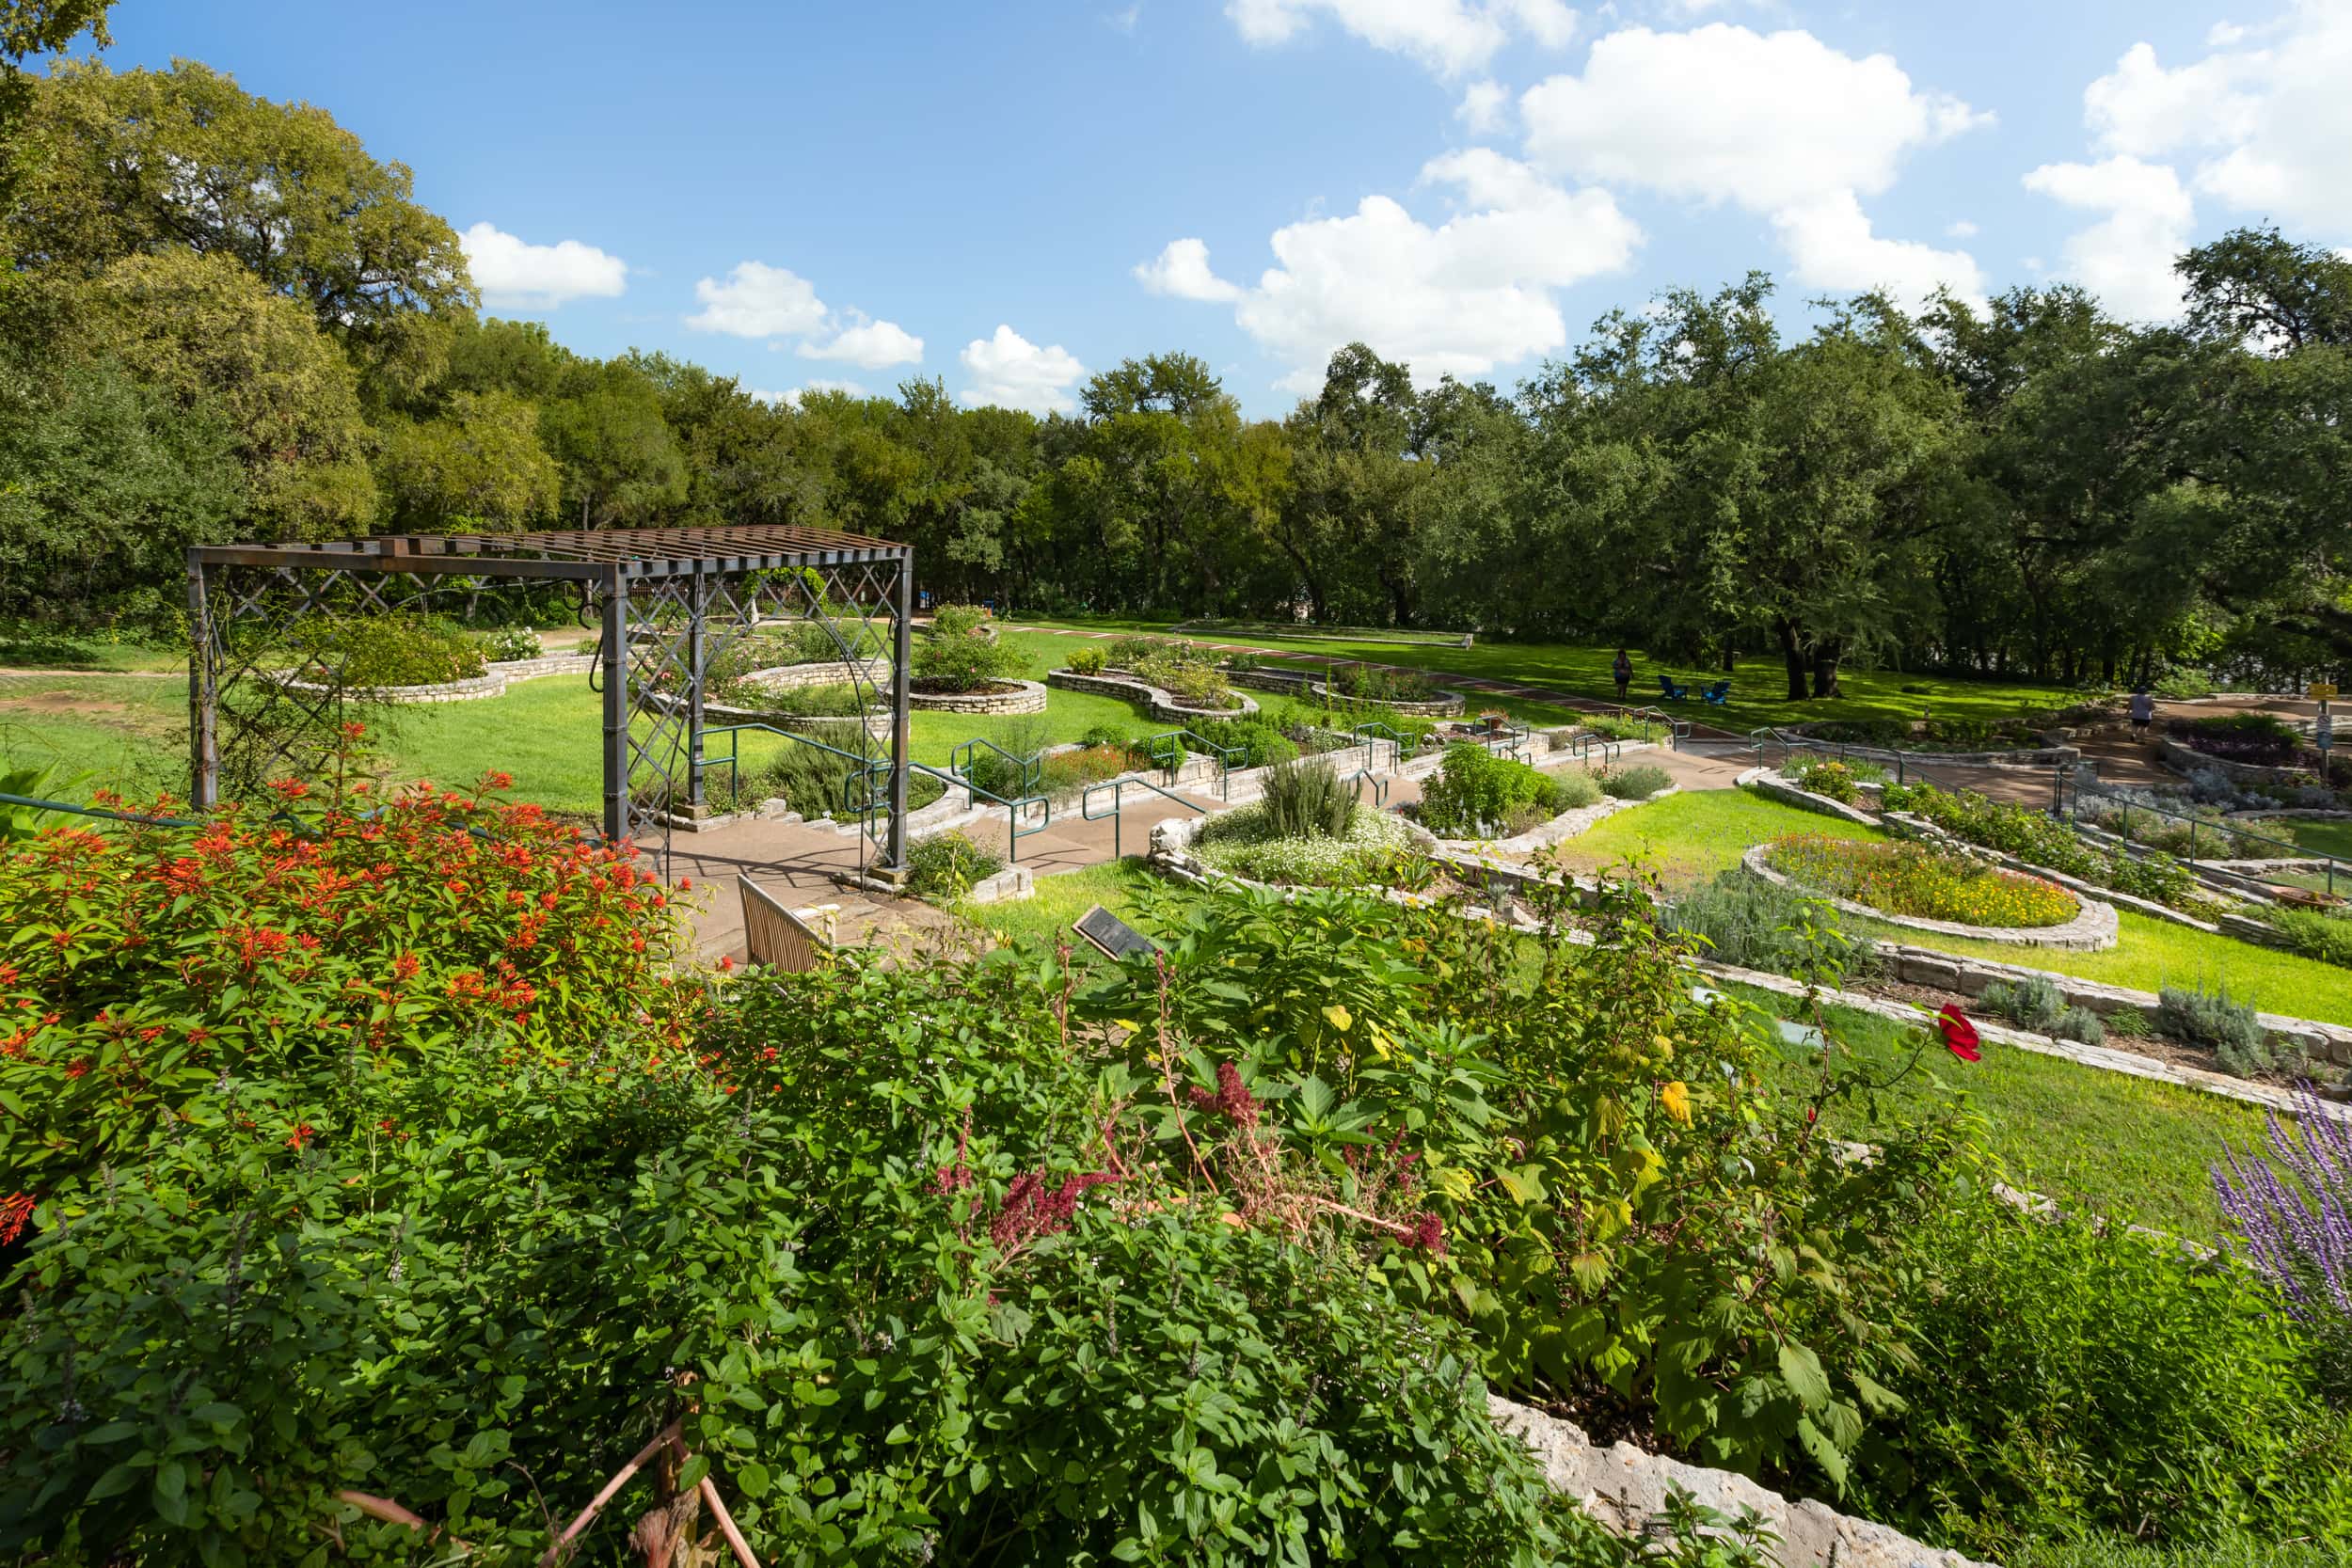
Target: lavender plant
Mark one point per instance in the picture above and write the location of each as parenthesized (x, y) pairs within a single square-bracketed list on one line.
[(2291, 1212)]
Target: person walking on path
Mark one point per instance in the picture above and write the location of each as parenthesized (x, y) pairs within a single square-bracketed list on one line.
[(1622, 668), (2143, 714)]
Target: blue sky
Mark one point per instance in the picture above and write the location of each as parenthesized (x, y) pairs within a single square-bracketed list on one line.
[(1008, 196)]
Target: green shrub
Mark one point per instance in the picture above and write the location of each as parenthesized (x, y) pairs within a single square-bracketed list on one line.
[(816, 784), (1638, 782), (1106, 735), (1062, 771), (2078, 1377), (2031, 836), (1752, 923), (959, 655), (1365, 683), (834, 701), (945, 865), (1193, 681), (1126, 653), (365, 652), (2229, 1029), (1087, 658), (2314, 933), (1255, 736), (2035, 1004), (1475, 793), (2082, 1025), (508, 644), (1306, 799), (1247, 842)]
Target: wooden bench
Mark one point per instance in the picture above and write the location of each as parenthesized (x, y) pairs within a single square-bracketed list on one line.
[(793, 940)]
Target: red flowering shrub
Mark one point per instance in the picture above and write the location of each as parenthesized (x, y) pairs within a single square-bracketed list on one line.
[(148, 961)]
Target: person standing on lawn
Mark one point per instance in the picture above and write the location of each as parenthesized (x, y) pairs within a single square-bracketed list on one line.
[(1622, 668)]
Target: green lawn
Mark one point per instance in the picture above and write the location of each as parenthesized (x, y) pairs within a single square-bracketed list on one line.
[(29, 647), (2127, 1145), (2150, 955), (96, 732), (1758, 692), (1045, 917), (2317, 838), (1689, 837)]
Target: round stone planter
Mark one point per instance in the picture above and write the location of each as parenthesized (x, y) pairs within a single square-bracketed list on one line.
[(1029, 698), (838, 730), (2094, 928), (822, 671), (1166, 706)]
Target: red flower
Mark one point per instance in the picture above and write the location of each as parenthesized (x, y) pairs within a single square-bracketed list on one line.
[(1960, 1036), (16, 1211), (302, 1134)]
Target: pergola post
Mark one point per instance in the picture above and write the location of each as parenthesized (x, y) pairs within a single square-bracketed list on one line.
[(615, 647), (697, 611), (203, 696), (902, 641)]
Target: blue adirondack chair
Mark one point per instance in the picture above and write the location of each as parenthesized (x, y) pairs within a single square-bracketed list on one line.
[(1672, 692), (1717, 696)]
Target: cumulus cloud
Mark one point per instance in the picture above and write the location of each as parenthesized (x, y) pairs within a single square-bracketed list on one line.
[(868, 344), (1959, 228), (1460, 296), (2265, 126), (1449, 37), (1011, 372), (758, 301), (513, 273), (2126, 258), (1181, 271), (1485, 107), (1778, 123), (792, 399)]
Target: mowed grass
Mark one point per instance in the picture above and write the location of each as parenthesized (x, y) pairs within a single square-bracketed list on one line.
[(2315, 838), (2128, 1147), (1045, 918), (1758, 691), (123, 733), (1689, 837)]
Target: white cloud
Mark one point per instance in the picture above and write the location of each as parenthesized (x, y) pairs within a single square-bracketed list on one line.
[(1182, 270), (1462, 296), (2267, 126), (1777, 123), (758, 301), (869, 344), (2126, 259), (1449, 37), (792, 399), (1724, 113), (1959, 228), (2222, 35), (1010, 371), (1485, 107), (1831, 244), (512, 272)]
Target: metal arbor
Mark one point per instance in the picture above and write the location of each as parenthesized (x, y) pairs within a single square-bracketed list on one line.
[(665, 603)]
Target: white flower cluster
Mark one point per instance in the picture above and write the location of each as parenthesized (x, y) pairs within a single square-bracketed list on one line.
[(1238, 842)]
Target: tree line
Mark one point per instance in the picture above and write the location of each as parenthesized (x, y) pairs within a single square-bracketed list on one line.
[(225, 319)]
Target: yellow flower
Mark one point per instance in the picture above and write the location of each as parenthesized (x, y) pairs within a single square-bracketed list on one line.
[(1341, 1018), (1676, 1097)]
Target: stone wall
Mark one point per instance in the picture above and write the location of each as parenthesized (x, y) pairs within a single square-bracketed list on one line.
[(1765, 781), (1162, 706), (2187, 759), (1623, 1489), (491, 684), (822, 671), (1029, 699)]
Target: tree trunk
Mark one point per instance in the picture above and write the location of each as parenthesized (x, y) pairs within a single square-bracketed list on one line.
[(1826, 656), (1793, 653)]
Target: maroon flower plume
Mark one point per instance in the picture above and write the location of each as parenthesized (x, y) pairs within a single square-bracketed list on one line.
[(1232, 1097)]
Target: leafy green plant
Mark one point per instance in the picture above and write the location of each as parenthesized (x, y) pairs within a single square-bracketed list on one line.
[(1087, 658), (2077, 1376), (1475, 792), (1915, 879), (833, 700), (1064, 771), (1256, 737), (1752, 923), (945, 865), (2082, 1025), (2034, 838), (2321, 934), (1106, 735), (1245, 842), (1190, 680), (1637, 783), (374, 652), (2230, 1030), (2033, 1004), (1306, 799), (958, 654)]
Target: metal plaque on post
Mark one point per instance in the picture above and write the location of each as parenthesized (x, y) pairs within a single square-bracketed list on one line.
[(1111, 936)]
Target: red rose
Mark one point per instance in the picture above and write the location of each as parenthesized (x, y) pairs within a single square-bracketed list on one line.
[(1960, 1036)]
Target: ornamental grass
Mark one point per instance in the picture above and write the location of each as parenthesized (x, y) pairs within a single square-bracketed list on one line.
[(1914, 880)]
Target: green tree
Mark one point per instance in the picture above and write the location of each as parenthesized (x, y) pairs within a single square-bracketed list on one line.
[(29, 27), (621, 465), (478, 466), (145, 163)]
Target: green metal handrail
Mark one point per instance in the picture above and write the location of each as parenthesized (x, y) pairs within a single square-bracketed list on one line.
[(735, 750), (878, 773), (1167, 758), (2296, 851), (1580, 748), (1363, 776), (1088, 814), (1367, 730), (1032, 767)]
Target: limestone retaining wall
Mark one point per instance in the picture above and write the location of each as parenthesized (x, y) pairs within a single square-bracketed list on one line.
[(1164, 705), (1029, 699), (2094, 928), (491, 684)]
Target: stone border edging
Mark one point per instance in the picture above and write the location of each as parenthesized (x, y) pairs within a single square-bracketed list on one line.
[(1029, 699), (1623, 1488), (819, 671), (2093, 929), (1906, 825), (493, 682), (2184, 758), (1772, 784), (1161, 705), (1567, 825), (1450, 706)]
